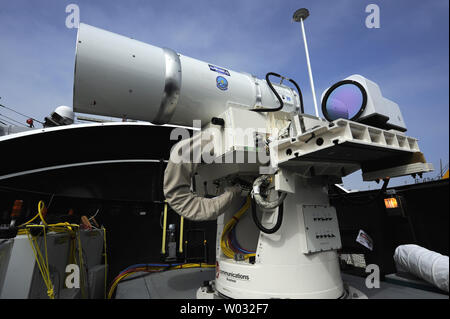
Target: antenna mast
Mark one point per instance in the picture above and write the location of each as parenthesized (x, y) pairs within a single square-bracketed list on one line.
[(299, 16)]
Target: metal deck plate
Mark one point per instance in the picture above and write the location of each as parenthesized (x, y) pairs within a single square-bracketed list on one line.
[(183, 284)]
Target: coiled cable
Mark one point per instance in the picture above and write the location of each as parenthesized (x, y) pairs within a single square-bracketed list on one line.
[(269, 83), (260, 183)]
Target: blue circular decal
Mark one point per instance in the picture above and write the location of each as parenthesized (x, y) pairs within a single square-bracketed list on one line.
[(222, 83)]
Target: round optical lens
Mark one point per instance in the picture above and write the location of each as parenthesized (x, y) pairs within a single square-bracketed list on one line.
[(345, 101)]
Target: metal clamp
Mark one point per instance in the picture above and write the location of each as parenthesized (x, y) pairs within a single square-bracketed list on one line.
[(172, 87)]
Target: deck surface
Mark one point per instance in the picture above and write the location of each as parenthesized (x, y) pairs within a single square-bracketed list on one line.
[(183, 284)]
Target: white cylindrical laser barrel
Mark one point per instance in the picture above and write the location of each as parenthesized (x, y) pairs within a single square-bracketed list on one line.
[(121, 77)]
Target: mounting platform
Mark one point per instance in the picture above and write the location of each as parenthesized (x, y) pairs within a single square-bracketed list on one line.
[(342, 147)]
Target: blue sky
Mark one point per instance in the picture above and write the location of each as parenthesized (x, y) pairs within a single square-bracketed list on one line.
[(408, 56)]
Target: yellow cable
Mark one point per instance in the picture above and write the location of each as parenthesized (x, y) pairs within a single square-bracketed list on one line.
[(36, 216), (42, 263), (181, 234), (183, 266), (41, 206), (50, 291), (80, 258), (163, 245), (39, 214), (114, 285), (106, 260), (227, 251), (43, 266)]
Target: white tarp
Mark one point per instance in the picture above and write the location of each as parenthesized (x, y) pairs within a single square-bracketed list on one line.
[(423, 263)]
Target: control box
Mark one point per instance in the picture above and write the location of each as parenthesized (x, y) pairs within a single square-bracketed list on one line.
[(321, 228)]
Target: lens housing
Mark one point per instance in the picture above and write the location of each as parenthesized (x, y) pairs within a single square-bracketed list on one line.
[(346, 99)]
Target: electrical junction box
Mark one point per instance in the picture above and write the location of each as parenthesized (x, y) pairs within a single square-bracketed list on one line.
[(321, 229), (239, 133)]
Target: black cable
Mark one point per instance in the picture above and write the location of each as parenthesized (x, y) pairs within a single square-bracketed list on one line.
[(411, 227), (276, 94), (11, 119), (300, 96), (50, 203), (260, 226), (8, 108), (10, 123)]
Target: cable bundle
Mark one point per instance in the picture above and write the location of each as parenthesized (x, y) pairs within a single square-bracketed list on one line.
[(41, 262), (228, 243), (150, 268), (33, 230)]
